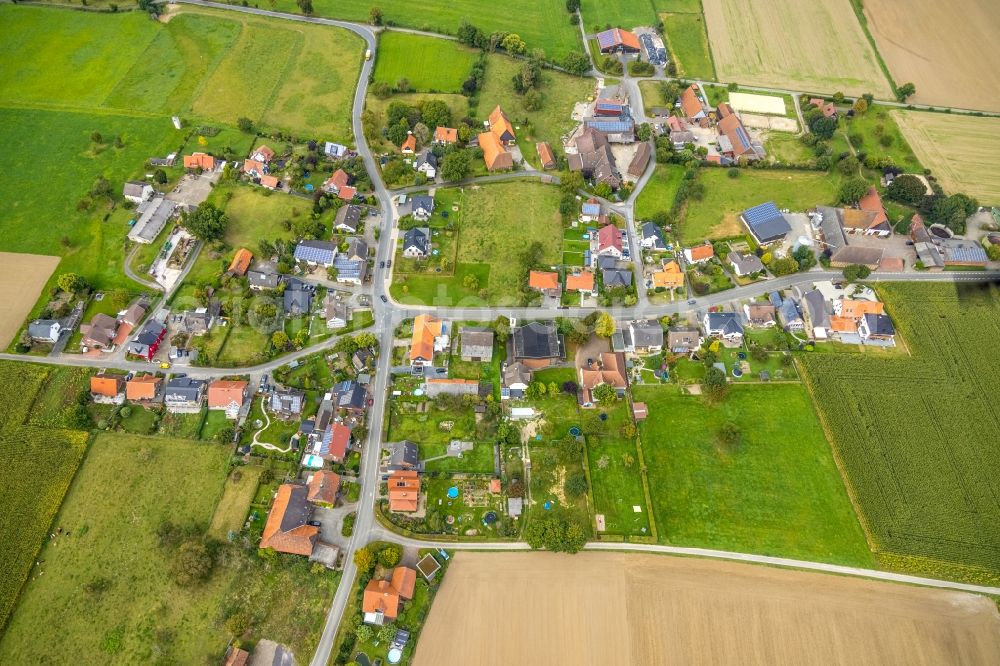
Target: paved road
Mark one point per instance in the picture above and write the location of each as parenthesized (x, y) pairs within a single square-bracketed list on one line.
[(134, 276)]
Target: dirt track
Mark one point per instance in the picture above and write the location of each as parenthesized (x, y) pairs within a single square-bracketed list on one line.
[(22, 277), (947, 49), (617, 609)]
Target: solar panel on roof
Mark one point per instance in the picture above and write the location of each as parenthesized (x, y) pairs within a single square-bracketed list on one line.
[(761, 213)]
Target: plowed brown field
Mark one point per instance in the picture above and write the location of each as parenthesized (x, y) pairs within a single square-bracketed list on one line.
[(615, 609), (22, 277)]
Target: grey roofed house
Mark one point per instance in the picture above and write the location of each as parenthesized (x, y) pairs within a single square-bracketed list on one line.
[(287, 402), (594, 158), (789, 315), (646, 333), (516, 374), (348, 394), (616, 277), (962, 251), (421, 206), (652, 237), (137, 191), (324, 414), (348, 218), (879, 324), (100, 331), (184, 390), (149, 336), (45, 330), (297, 298), (197, 322), (837, 243), (263, 275), (134, 314), (515, 505), (477, 344), (403, 455), (766, 223), (357, 248), (417, 242), (723, 323), (606, 261), (426, 157), (640, 160), (338, 312), (745, 264), (536, 340), (683, 340), (681, 138), (816, 307), (316, 252)]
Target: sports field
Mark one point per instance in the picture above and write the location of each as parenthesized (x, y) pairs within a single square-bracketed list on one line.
[(917, 435), (909, 37), (22, 277), (207, 64), (959, 150), (542, 25), (621, 609), (814, 46), (428, 63)]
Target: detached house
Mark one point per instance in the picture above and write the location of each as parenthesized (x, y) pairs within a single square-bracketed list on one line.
[(287, 403), (297, 298), (876, 222), (382, 598), (609, 241), (445, 136), (352, 264), (426, 163), (240, 263), (184, 395), (477, 344), (45, 330), (745, 264), (495, 154), (287, 529), (610, 369), (536, 345), (617, 40), (429, 336), (671, 277), (582, 283), (421, 207), (338, 313), (699, 253), (501, 128), (403, 455), (683, 340), (766, 223), (876, 327), (545, 282), (337, 181), (404, 491), (262, 154), (201, 161), (725, 326), (348, 219), (647, 336), (264, 275), (516, 378), (105, 388), (409, 145), (144, 389), (100, 332), (137, 191), (760, 314), (316, 252), (323, 488), (417, 243), (691, 104), (652, 237), (228, 396)]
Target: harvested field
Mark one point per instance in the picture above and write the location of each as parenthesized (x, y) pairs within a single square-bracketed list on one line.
[(22, 277), (815, 46), (612, 608), (959, 150), (929, 43)]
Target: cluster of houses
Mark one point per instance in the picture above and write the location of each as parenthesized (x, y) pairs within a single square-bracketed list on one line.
[(177, 394), (350, 260), (728, 141), (827, 312), (590, 149)]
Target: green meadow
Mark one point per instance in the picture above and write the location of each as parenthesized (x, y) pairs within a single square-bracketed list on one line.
[(430, 64)]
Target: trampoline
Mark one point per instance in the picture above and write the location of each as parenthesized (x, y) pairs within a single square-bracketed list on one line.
[(741, 355), (309, 187), (575, 431), (548, 505), (394, 655), (453, 493), (737, 373), (603, 416), (489, 518)]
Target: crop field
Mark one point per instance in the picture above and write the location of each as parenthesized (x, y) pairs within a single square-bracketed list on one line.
[(498, 222), (619, 609), (960, 151), (542, 25), (920, 462), (22, 277), (776, 492), (907, 36), (717, 215), (428, 63), (202, 63), (789, 44), (687, 41)]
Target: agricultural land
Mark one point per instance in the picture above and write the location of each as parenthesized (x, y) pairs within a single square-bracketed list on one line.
[(917, 462), (791, 44), (429, 64), (687, 40), (927, 43), (959, 150), (628, 14), (22, 277), (643, 609)]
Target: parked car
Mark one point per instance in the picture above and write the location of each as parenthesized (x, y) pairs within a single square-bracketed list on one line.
[(384, 299), (382, 264)]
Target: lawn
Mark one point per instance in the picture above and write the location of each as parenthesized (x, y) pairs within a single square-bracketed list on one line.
[(615, 473), (688, 44), (496, 224), (628, 14), (140, 421), (717, 214), (777, 492), (108, 589), (660, 191), (542, 25), (428, 63), (919, 460), (238, 494), (428, 431), (870, 132), (244, 345)]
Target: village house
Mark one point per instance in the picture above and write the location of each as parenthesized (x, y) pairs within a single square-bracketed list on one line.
[(153, 216), (590, 211), (148, 341), (144, 389), (646, 336), (495, 155), (877, 328), (137, 191), (516, 378), (262, 154), (45, 330), (338, 180), (836, 242), (789, 315), (338, 312), (228, 396), (348, 397), (323, 487), (691, 105), (352, 264), (334, 442), (874, 221), (609, 241), (608, 369), (254, 169), (582, 283), (430, 335), (699, 253), (828, 109), (421, 207), (536, 345), (264, 275), (240, 263), (445, 136), (652, 238), (287, 529), (426, 163), (417, 243), (476, 344), (404, 491), (683, 340), (616, 277), (316, 252), (760, 315), (817, 314), (100, 332), (184, 395), (403, 455), (287, 403), (724, 325), (744, 264), (617, 40), (545, 282), (671, 277), (545, 155), (593, 158), (501, 127), (734, 142), (409, 145), (348, 219), (382, 599), (107, 389), (201, 161), (296, 300), (766, 223), (335, 150)]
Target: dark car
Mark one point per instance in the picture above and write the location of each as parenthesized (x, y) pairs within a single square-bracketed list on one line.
[(381, 264), (384, 299), (315, 523), (692, 302), (388, 264)]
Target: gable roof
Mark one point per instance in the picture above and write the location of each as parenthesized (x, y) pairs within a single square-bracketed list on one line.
[(404, 490), (690, 104), (348, 216), (670, 276), (199, 160), (700, 252), (107, 385), (609, 236), (639, 161), (336, 438), (143, 387), (419, 238), (536, 340), (580, 281), (545, 155), (617, 37), (224, 392), (477, 339), (263, 152), (337, 180), (409, 144), (494, 153), (651, 230), (879, 324), (543, 280), (766, 222), (500, 125), (872, 203), (323, 487), (425, 329), (287, 529), (317, 251), (445, 134), (241, 262)]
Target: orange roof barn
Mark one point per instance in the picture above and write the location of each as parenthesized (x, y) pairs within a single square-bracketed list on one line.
[(287, 529), (494, 153), (241, 262)]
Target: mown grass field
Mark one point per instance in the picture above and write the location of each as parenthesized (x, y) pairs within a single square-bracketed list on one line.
[(36, 466), (717, 215), (497, 223), (626, 14), (687, 41), (542, 25), (660, 190), (878, 125), (135, 611), (778, 492), (430, 64), (920, 459), (615, 474)]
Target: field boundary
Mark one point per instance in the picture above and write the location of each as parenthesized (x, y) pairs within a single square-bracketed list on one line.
[(859, 12)]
